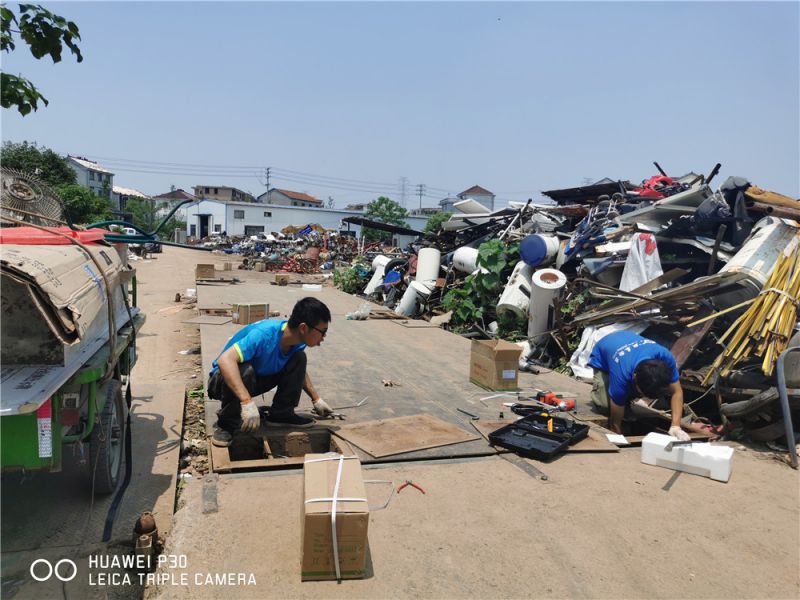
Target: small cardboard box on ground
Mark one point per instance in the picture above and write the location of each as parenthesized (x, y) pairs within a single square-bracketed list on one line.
[(282, 279), (352, 518), (204, 272), (494, 364), (244, 314)]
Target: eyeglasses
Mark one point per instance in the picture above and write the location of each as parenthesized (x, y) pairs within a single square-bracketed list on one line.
[(322, 332)]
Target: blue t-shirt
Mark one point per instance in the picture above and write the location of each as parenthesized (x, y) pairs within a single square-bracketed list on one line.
[(619, 354), (260, 344)]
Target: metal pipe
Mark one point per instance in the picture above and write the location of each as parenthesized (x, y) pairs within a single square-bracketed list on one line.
[(787, 413)]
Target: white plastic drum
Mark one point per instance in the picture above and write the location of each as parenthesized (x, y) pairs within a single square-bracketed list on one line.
[(758, 255), (379, 264), (408, 303), (465, 259), (545, 284), (428, 264), (517, 294)]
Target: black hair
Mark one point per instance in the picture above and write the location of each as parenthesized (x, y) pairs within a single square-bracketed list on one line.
[(310, 311), (653, 377)]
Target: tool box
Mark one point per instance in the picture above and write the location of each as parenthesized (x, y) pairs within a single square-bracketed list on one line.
[(539, 436)]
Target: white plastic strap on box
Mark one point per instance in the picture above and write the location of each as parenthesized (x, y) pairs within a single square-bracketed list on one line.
[(334, 500)]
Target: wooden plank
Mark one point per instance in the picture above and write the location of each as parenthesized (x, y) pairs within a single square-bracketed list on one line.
[(689, 338), (209, 320), (414, 324), (387, 437)]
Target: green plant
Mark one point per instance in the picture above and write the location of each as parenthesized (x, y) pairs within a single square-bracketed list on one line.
[(350, 280), (476, 300), (45, 33), (435, 222)]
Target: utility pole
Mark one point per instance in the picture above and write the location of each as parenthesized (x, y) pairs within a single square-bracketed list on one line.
[(403, 191), (266, 174), (421, 192)]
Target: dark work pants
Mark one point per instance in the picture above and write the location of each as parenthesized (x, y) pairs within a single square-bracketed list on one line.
[(289, 382)]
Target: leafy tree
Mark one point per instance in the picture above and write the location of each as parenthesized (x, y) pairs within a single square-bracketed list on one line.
[(435, 222), (42, 163), (386, 211), (83, 205), (45, 33), (144, 214)]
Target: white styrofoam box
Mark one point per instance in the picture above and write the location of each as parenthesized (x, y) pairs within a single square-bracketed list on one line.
[(697, 458)]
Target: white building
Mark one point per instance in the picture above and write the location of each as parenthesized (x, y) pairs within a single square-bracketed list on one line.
[(90, 174), (120, 196), (245, 218)]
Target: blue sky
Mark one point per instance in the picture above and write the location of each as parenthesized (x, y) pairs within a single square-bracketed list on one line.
[(344, 99)]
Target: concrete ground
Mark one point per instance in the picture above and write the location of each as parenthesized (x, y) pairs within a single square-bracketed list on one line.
[(601, 525)]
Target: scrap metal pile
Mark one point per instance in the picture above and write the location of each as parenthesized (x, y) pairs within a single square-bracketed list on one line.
[(711, 274)]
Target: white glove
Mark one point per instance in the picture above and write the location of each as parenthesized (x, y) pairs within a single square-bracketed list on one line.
[(251, 419), (321, 408), (679, 433)]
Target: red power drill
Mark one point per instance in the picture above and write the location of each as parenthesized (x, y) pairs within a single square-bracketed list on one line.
[(555, 400)]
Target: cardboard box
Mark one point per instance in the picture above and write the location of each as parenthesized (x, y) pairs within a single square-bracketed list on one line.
[(204, 272), (282, 279), (227, 266), (352, 518), (244, 314), (494, 364)]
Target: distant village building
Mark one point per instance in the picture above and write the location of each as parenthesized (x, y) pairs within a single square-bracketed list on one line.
[(447, 203), (223, 193), (168, 200), (245, 218), (480, 195), (289, 198), (120, 196), (92, 175)]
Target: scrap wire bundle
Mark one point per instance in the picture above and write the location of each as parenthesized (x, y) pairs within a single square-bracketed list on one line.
[(765, 328)]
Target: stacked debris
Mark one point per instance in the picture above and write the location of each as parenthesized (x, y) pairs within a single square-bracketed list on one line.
[(713, 275)]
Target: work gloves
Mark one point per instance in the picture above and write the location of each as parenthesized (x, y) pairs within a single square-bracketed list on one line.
[(251, 419), (679, 433), (321, 408)]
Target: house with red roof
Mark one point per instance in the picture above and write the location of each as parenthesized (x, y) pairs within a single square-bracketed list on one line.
[(289, 198)]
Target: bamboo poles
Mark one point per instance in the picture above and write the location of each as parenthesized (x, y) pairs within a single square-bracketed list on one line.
[(763, 331)]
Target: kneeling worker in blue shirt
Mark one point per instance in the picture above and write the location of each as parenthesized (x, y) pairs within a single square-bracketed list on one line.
[(626, 366), (264, 355)]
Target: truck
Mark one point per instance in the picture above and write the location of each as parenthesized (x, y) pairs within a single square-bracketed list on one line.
[(68, 337)]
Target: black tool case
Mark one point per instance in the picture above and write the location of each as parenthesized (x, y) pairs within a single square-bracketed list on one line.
[(530, 437)]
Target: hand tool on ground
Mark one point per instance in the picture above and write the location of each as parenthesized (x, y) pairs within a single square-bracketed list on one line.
[(670, 445), (555, 400), (472, 416), (351, 405), (407, 483)]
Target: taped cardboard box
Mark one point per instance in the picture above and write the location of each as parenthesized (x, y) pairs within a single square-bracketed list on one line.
[(494, 364), (320, 554), (244, 314)]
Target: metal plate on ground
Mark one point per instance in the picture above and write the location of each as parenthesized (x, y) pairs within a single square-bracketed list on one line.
[(387, 437)]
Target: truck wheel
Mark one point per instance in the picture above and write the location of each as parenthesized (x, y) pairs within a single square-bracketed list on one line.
[(107, 439)]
